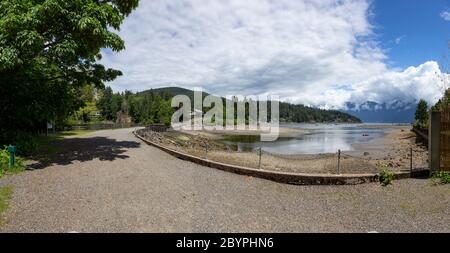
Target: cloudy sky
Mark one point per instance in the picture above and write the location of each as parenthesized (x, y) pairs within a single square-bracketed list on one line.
[(321, 53)]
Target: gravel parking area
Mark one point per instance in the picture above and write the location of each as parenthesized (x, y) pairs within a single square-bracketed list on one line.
[(109, 181)]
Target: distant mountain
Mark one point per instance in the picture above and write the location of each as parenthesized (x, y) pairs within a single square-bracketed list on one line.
[(372, 112), (172, 91), (301, 113), (288, 112)]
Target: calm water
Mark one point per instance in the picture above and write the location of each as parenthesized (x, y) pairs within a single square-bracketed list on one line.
[(323, 138)]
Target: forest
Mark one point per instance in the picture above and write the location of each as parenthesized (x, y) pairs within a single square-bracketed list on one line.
[(154, 106)]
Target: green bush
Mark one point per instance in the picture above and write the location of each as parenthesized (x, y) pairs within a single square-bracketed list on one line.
[(418, 125), (4, 163), (386, 175), (441, 177), (26, 143)]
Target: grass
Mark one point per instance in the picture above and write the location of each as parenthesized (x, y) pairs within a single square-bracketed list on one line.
[(75, 133), (183, 138), (45, 140), (5, 196), (46, 146)]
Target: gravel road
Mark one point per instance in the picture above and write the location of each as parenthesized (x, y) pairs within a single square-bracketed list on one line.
[(109, 181)]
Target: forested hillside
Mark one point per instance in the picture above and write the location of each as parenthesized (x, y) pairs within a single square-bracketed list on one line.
[(300, 113), (153, 106)]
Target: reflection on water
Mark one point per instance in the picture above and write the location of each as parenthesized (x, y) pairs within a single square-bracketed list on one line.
[(322, 138)]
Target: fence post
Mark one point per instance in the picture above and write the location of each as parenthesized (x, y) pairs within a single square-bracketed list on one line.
[(339, 162), (260, 153), (411, 160), (206, 151), (12, 151)]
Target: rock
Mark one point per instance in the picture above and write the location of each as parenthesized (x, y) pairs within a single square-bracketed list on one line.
[(366, 153)]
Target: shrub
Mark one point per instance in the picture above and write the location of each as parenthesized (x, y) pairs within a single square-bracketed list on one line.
[(4, 160), (423, 125), (386, 175), (4, 163), (26, 143), (441, 177)]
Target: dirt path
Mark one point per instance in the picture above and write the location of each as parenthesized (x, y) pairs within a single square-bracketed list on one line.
[(108, 181)]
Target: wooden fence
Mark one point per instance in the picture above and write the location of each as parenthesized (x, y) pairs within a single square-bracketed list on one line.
[(445, 140), (101, 126)]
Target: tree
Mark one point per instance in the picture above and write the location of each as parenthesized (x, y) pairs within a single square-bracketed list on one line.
[(49, 51), (87, 93), (443, 103), (165, 112), (105, 102), (422, 113), (116, 105)]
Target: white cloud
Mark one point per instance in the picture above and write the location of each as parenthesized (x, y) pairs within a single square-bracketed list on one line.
[(399, 39), (319, 53), (445, 15), (406, 86)]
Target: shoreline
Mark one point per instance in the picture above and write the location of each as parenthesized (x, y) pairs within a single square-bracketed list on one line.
[(391, 150)]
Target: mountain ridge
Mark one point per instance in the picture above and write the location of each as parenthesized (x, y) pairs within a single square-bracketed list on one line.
[(297, 113)]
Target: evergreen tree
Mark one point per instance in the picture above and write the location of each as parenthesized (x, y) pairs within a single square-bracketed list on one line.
[(105, 104), (422, 114)]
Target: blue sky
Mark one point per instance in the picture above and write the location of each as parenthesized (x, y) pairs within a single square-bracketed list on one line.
[(423, 33), (319, 53)]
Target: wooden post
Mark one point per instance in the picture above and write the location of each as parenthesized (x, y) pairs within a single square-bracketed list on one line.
[(434, 132), (411, 160), (260, 153), (339, 162)]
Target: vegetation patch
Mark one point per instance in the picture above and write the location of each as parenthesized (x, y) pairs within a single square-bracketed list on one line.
[(4, 163), (441, 177), (75, 133), (386, 175), (183, 138), (5, 196)]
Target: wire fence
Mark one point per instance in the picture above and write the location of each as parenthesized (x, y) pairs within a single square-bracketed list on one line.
[(342, 162)]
